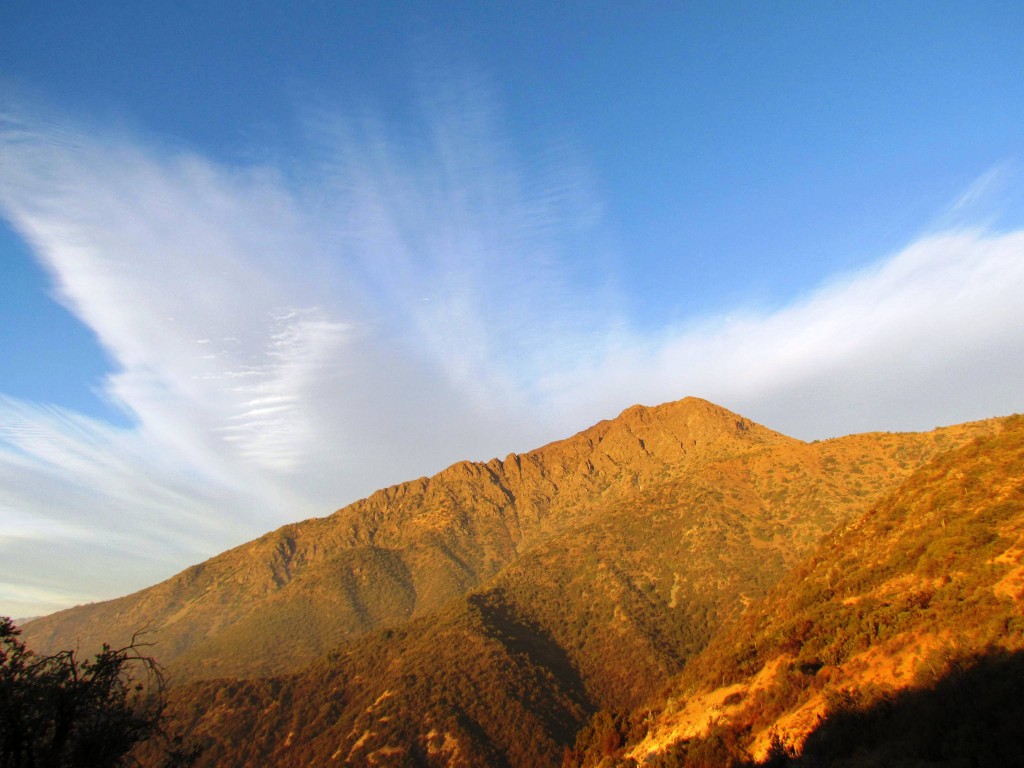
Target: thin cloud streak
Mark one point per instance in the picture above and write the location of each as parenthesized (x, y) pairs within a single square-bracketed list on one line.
[(288, 340), (273, 369), (928, 336)]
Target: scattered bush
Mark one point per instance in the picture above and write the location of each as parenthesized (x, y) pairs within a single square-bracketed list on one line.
[(59, 712)]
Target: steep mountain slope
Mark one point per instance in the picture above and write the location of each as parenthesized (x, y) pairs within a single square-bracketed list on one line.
[(468, 685), (480, 616), (930, 582), (402, 552), (599, 614), (408, 549)]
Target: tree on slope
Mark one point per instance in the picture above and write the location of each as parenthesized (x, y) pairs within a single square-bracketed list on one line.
[(59, 712)]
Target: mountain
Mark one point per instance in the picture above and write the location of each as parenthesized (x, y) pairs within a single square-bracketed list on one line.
[(484, 615), (402, 552), (899, 641)]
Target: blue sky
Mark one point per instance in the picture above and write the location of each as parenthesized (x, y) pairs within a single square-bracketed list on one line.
[(261, 259)]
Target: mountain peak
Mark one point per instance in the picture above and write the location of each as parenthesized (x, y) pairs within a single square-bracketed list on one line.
[(676, 433)]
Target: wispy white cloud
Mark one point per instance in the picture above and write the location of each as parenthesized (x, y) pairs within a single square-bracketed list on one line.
[(929, 335), (288, 339), (284, 340)]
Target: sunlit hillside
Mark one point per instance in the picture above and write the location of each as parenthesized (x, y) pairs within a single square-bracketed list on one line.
[(898, 642), (676, 582)]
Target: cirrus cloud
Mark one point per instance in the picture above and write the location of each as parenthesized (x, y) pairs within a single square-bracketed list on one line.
[(288, 339)]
